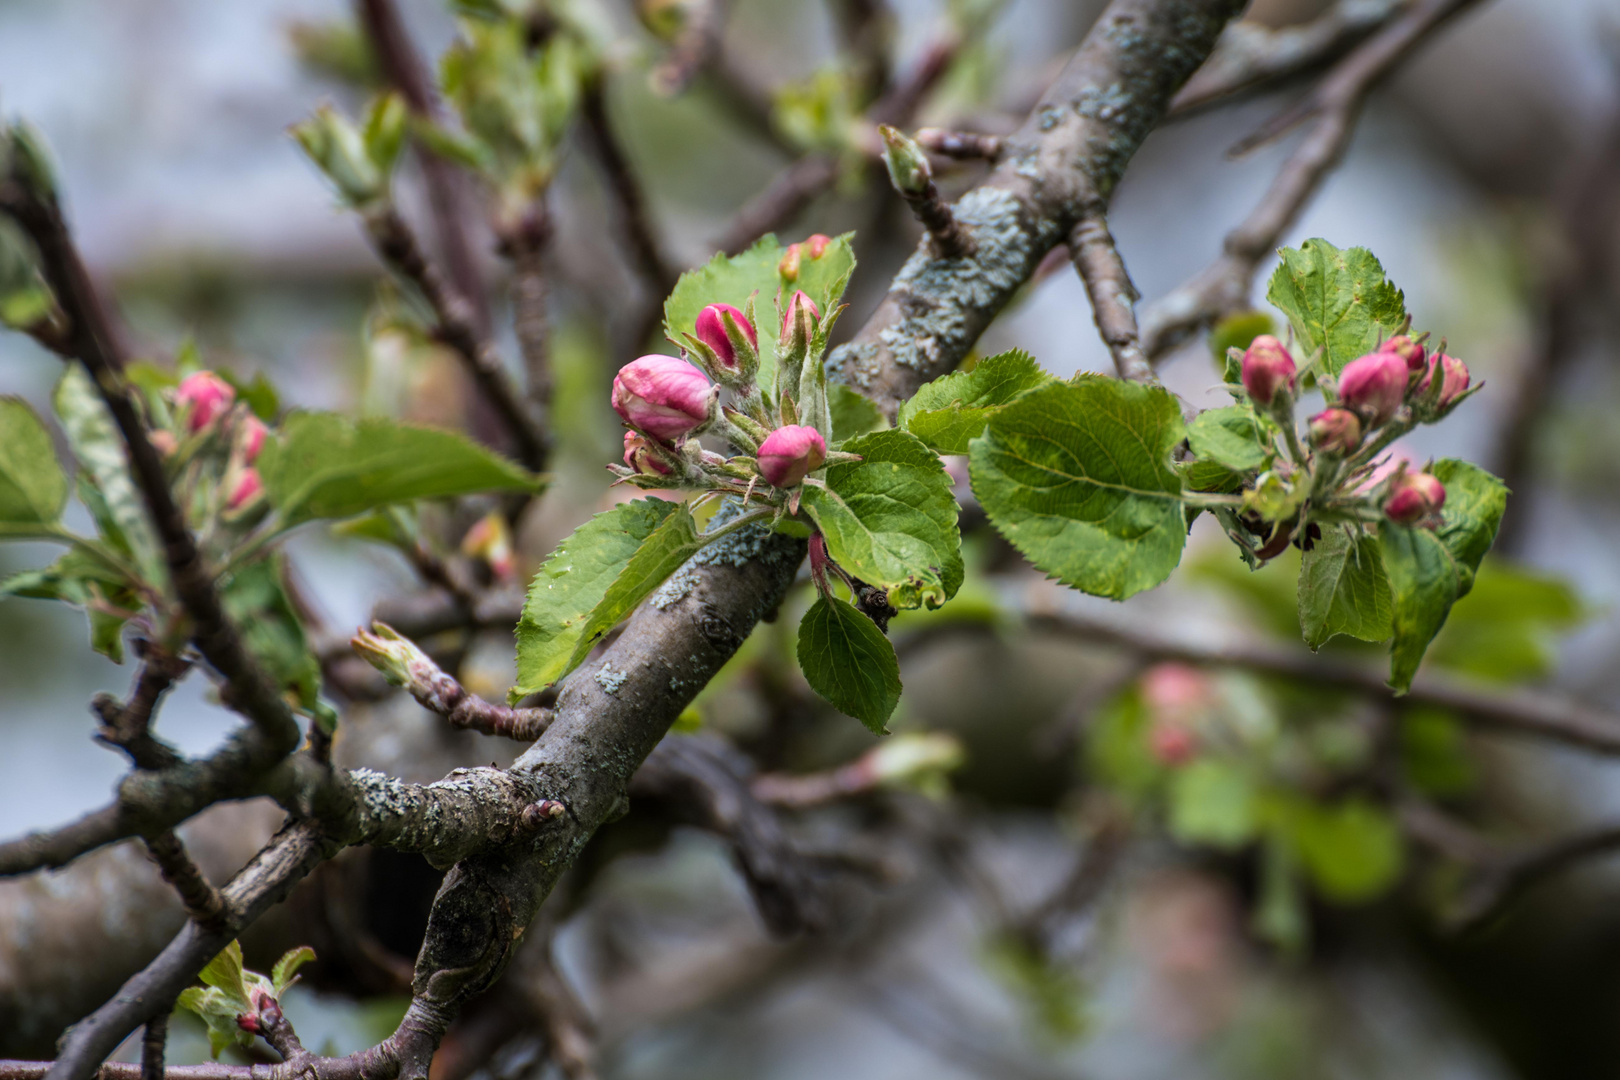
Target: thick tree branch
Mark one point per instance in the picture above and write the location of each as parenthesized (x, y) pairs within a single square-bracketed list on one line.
[(1223, 287), (1065, 161)]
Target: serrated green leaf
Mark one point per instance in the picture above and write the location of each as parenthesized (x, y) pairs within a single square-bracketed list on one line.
[(258, 604), (218, 1011), (852, 414), (85, 581), (1352, 850), (1229, 437), (1343, 589), (224, 972), (33, 488), (1213, 801), (847, 660), (572, 583), (321, 465), (100, 448), (1430, 571), (1337, 301), (1077, 476), (890, 519), (281, 976), (951, 411), (675, 540), (732, 279)]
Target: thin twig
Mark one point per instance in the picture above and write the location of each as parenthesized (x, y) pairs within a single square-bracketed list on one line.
[(201, 900), (1250, 56), (154, 1041), (1224, 286), (960, 145), (1529, 712), (126, 725), (1113, 297), (404, 664), (693, 49), (455, 323)]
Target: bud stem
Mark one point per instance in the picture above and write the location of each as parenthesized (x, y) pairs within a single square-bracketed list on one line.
[(913, 179)]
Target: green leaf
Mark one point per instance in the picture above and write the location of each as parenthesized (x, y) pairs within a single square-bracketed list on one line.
[(1430, 571), (100, 448), (1237, 332), (1230, 437), (1352, 850), (852, 414), (733, 279), (1338, 301), (675, 540), (324, 466), (281, 976), (890, 519), (1343, 589), (1077, 476), (572, 583), (1213, 801), (847, 660), (85, 581), (1506, 628), (218, 1010), (951, 411), (257, 603), (33, 489), (224, 972), (258, 394)]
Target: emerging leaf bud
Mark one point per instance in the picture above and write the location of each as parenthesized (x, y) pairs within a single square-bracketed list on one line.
[(713, 331), (247, 488), (1416, 496), (395, 655), (664, 396), (1373, 387), (1335, 431), (1267, 368), (1453, 381), (907, 163), (202, 398), (1407, 349), (640, 456), (250, 437), (791, 453)]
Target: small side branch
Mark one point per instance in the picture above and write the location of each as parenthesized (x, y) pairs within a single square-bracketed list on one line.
[(1223, 287), (403, 664), (913, 178), (456, 324), (1113, 297), (961, 145), (127, 725), (201, 900)]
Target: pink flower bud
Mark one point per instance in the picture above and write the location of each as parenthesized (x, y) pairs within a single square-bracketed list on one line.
[(1335, 431), (711, 330), (1373, 386), (1453, 382), (1172, 690), (248, 487), (788, 267), (640, 456), (1172, 743), (251, 436), (791, 453), (1407, 349), (1416, 496), (790, 316), (815, 244), (1267, 368), (203, 397), (490, 539), (662, 395)]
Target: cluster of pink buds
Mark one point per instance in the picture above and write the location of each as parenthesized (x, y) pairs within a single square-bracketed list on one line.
[(1402, 373), (780, 438), (206, 408)]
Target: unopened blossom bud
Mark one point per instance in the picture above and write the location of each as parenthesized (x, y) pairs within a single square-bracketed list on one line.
[(248, 487), (800, 302), (203, 397), (1335, 431), (791, 453), (1267, 368), (1407, 349), (640, 456), (1172, 743), (491, 540), (711, 330), (1454, 379), (815, 244), (1373, 386), (664, 396), (788, 267), (1416, 496), (250, 437)]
